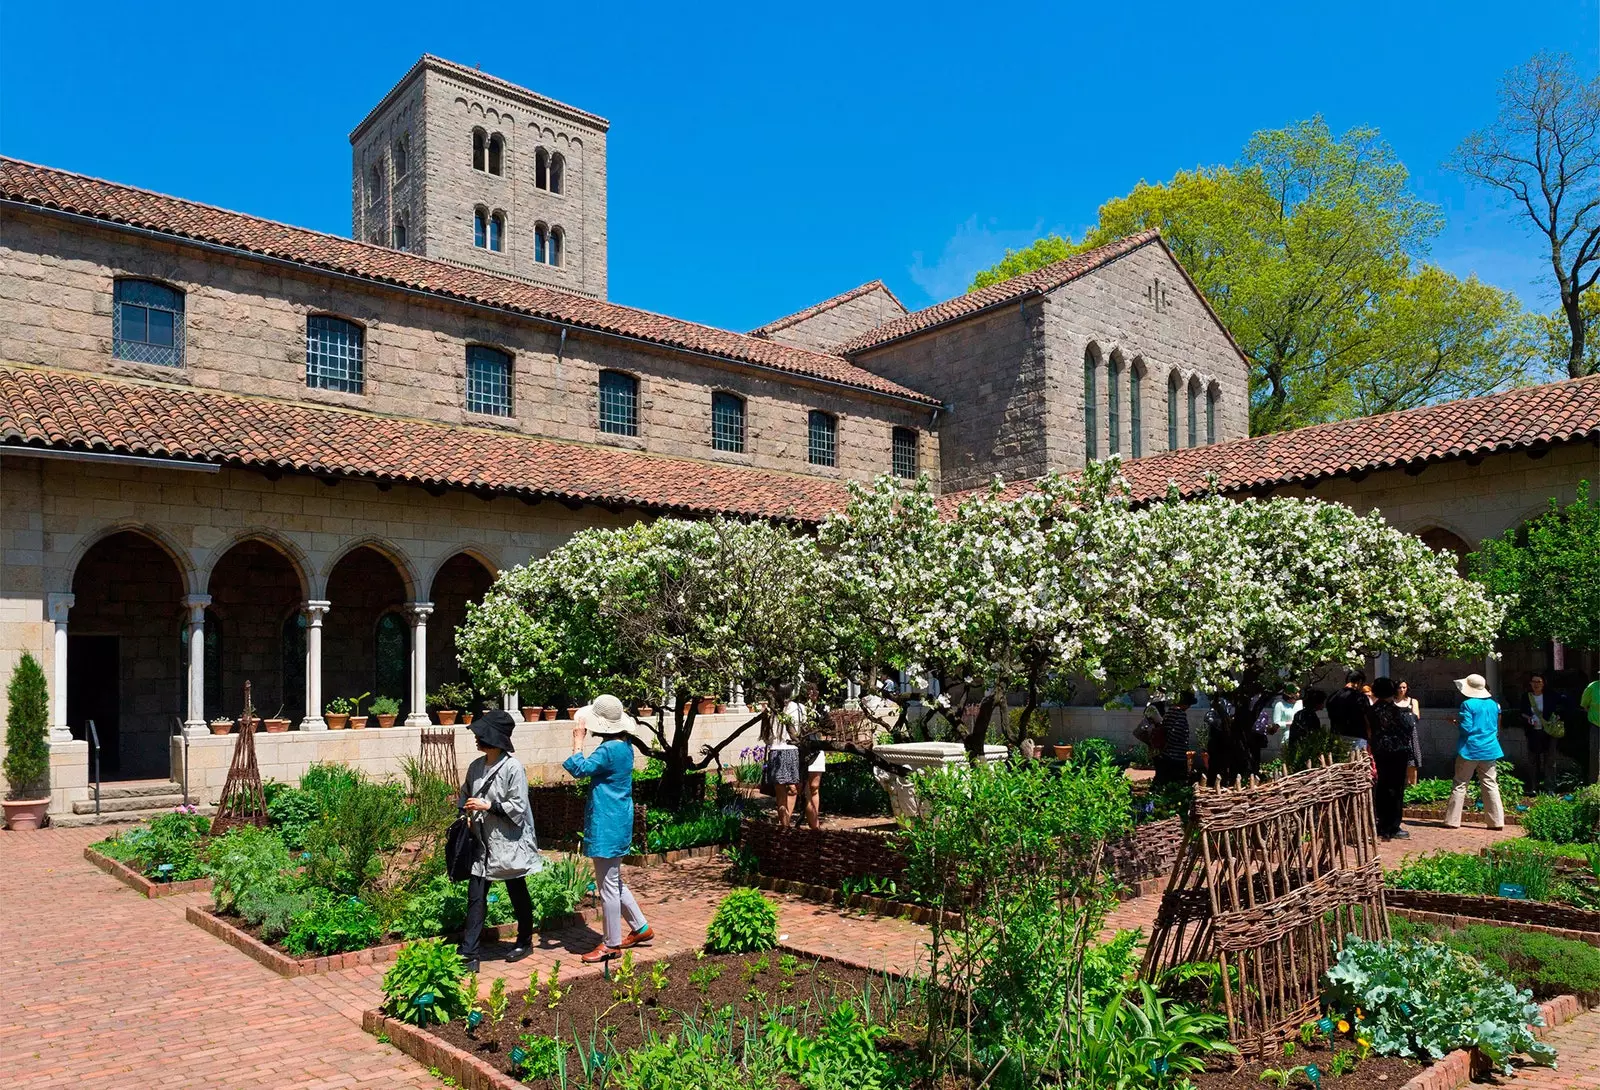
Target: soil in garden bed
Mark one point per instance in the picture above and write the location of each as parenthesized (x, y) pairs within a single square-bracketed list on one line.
[(1367, 1075), (594, 1001)]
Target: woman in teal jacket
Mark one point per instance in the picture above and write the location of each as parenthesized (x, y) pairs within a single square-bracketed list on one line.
[(1477, 754), (608, 819)]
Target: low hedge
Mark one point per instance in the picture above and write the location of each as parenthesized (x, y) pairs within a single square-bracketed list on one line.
[(1547, 965)]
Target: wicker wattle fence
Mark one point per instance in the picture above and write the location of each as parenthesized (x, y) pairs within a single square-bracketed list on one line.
[(1271, 879)]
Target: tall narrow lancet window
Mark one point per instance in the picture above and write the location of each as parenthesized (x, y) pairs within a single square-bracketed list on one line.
[(1194, 412), (1135, 410), (497, 232), (541, 169), (497, 154), (1091, 437), (1114, 407), (558, 173), (480, 149), (557, 239), (541, 243), (1174, 394), (1212, 395)]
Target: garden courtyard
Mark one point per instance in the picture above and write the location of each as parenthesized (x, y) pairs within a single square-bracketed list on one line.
[(131, 994)]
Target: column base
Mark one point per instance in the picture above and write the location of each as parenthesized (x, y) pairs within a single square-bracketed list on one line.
[(195, 728), (418, 719), (60, 734), (313, 722)]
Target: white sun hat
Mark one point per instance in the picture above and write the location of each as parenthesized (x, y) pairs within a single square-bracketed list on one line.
[(1473, 685)]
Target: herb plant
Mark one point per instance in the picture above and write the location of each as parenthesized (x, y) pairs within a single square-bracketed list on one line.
[(745, 922), (423, 986)]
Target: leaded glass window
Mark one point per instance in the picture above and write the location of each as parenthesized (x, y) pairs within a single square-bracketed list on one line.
[(1194, 407), (541, 243), (147, 323), (335, 354), (393, 668), (1113, 411), (1135, 412), (558, 172), (905, 453), (1211, 416), (823, 441), (1091, 440), (727, 422), (497, 232), (1173, 393), (488, 381), (497, 151), (557, 236), (619, 403)]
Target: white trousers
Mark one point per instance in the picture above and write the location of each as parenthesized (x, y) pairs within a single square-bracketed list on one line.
[(615, 899)]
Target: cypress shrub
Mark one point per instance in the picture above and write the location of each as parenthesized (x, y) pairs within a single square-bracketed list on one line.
[(27, 763)]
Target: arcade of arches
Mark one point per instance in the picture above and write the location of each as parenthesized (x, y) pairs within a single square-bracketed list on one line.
[(145, 660)]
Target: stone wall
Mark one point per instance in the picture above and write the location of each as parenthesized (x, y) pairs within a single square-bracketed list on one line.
[(842, 322), (246, 333)]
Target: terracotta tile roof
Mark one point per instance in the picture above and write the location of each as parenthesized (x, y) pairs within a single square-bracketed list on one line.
[(76, 193), (1529, 417), (1007, 291), (76, 411), (826, 305)]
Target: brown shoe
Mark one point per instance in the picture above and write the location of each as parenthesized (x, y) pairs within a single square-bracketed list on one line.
[(600, 953), (634, 938)]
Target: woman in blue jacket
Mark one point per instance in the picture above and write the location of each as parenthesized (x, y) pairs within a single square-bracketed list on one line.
[(608, 819), (1477, 753)]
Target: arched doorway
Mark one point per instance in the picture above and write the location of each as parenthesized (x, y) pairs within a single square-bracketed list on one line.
[(366, 636), (256, 595), (460, 580), (125, 664)]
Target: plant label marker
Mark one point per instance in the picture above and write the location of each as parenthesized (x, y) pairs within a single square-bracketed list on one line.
[(1514, 891)]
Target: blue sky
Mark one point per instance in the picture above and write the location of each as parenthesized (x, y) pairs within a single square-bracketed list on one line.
[(765, 156)]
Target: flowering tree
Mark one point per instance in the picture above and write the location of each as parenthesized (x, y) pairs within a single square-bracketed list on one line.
[(676, 607)]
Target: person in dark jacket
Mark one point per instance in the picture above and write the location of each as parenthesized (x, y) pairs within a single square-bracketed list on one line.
[(1534, 711), (1307, 723), (496, 789), (1347, 709), (1172, 762), (1393, 728)]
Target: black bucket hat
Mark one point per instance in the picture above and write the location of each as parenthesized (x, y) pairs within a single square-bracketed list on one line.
[(494, 729)]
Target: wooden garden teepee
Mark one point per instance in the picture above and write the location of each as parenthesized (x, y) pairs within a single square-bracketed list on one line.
[(242, 801)]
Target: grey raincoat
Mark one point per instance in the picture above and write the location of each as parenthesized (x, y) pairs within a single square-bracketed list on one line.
[(508, 824)]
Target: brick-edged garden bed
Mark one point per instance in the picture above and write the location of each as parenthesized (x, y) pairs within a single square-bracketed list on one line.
[(287, 965), (146, 886), (1473, 908), (1460, 1067)]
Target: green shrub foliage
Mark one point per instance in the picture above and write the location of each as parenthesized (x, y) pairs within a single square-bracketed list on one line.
[(423, 986), (167, 850), (292, 811), (362, 821), (27, 761), (1546, 965), (333, 924), (1556, 820), (745, 922), (1423, 1000)]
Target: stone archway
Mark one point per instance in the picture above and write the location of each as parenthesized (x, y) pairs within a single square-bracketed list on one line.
[(366, 636), (256, 595), (462, 579), (125, 664)]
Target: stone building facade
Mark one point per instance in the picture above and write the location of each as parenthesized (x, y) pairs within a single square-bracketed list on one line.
[(233, 450)]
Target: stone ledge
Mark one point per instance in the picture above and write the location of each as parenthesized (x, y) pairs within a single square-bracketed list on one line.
[(1457, 1069), (133, 879)]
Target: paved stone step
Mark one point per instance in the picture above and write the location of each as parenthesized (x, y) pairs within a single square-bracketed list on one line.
[(131, 802), (127, 789), (115, 817)]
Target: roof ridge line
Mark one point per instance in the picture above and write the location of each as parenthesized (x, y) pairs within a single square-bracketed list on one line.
[(825, 305)]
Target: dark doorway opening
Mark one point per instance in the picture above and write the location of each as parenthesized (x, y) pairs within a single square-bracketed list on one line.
[(94, 692)]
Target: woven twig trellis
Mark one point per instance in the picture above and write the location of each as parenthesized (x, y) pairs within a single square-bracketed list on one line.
[(242, 801), (438, 757), (1271, 878)]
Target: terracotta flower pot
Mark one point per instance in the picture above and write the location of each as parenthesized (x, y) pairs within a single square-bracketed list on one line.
[(548, 713), (385, 720), (447, 717), (221, 726), (572, 711), (1063, 753), (336, 720), (466, 717), (277, 726), (722, 709), (25, 815), (646, 711), (530, 714), (358, 722)]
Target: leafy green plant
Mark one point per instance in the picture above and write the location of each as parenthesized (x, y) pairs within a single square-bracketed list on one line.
[(292, 811), (745, 922), (1556, 820), (1458, 872), (334, 923), (557, 890), (689, 827), (848, 787), (703, 976), (553, 990), (360, 823), (843, 1054), (1422, 999), (247, 861), (385, 705), (423, 986), (1306, 748), (341, 705), (327, 781), (167, 850), (1427, 792), (707, 1061), (1545, 964), (1138, 1038), (439, 907), (27, 760), (538, 1057), (451, 696)]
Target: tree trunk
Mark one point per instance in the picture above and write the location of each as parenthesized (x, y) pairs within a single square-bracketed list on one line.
[(1574, 310), (674, 776), (979, 735)]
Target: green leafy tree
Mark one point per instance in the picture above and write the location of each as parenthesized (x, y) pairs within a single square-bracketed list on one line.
[(1555, 330), (27, 763), (1547, 573), (684, 607), (1044, 251), (1543, 154), (1309, 249)]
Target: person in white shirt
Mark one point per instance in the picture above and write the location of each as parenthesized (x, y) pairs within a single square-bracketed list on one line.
[(1284, 709), (784, 730)]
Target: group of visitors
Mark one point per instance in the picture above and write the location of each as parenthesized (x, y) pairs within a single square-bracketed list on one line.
[(494, 795)]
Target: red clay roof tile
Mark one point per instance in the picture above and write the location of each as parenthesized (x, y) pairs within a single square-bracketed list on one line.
[(826, 305)]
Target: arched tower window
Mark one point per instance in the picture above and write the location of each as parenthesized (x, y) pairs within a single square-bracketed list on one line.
[(541, 169), (402, 156), (557, 240), (480, 149), (402, 233), (1091, 435), (558, 173), (1174, 395), (497, 154), (375, 183), (1194, 411), (480, 227), (497, 232), (1136, 409), (541, 243), (1114, 405), (1213, 395)]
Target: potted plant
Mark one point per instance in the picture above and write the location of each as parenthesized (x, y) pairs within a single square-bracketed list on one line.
[(221, 725), (357, 720), (277, 724), (1063, 752), (385, 708), (572, 711), (550, 712), (337, 713), (27, 763), (447, 701), (530, 713), (708, 705)]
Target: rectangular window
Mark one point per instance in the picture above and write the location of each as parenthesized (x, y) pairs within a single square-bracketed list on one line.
[(334, 354), (488, 381), (823, 439), (147, 323), (619, 403), (727, 422), (1135, 412), (905, 453)]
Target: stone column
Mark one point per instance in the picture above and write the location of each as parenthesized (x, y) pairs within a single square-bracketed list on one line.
[(736, 699), (417, 716), (195, 724), (59, 605), (1382, 668), (1491, 673), (315, 610)]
